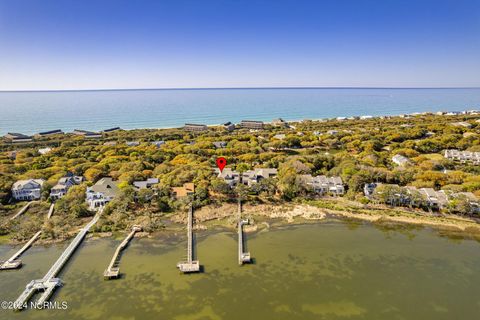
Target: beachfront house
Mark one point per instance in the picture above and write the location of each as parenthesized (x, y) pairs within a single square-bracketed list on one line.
[(87, 134), (27, 190), (279, 122), (229, 126), (49, 133), (17, 137), (195, 127), (252, 124), (323, 184), (61, 188), (400, 160), (101, 193)]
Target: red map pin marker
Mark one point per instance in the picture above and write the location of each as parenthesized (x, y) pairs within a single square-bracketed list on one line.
[(221, 163)]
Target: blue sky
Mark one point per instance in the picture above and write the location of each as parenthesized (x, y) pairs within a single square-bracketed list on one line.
[(56, 45)]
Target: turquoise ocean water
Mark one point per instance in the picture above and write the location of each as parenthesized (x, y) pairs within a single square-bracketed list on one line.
[(30, 112)]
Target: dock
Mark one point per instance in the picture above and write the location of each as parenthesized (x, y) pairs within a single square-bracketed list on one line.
[(49, 282), (113, 270), (13, 263), (50, 211), (243, 257), (22, 210), (189, 265)]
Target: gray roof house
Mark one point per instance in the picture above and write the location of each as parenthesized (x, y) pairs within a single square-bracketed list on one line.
[(248, 178), (219, 144), (27, 190), (102, 192), (62, 186), (147, 184), (17, 137)]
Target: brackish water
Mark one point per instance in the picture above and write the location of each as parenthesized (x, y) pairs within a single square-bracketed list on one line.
[(329, 270), (31, 112)]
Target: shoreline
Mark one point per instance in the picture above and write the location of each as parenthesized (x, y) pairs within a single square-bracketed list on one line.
[(271, 216)]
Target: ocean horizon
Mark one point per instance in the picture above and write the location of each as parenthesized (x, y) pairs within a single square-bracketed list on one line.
[(30, 112)]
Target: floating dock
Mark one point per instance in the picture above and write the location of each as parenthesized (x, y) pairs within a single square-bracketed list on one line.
[(190, 265), (13, 263), (113, 270), (49, 282)]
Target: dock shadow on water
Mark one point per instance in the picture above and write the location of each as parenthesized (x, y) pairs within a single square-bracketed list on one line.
[(307, 272)]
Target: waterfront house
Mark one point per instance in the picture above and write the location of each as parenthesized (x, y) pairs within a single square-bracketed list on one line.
[(101, 193), (250, 177), (147, 184), (435, 199), (132, 143), (17, 137), (230, 176), (87, 134), (400, 160), (188, 189), (195, 127), (251, 124), (63, 184), (27, 190), (49, 133), (323, 184)]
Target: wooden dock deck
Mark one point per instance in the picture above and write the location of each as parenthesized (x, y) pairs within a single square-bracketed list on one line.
[(22, 210), (189, 265), (12, 262), (48, 283), (243, 257), (113, 269)]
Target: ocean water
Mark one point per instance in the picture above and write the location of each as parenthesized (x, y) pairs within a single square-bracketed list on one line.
[(31, 112)]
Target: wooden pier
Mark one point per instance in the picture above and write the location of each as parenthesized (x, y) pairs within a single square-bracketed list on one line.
[(190, 265), (113, 270), (50, 211), (243, 257), (22, 210), (49, 282), (13, 263)]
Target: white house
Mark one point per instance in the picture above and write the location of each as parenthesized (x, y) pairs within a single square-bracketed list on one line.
[(147, 184), (27, 189), (324, 185), (102, 192), (400, 160)]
